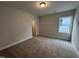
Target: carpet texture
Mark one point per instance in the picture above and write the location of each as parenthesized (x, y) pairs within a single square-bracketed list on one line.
[(41, 47)]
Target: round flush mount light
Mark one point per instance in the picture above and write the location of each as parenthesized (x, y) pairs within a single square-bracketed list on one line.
[(42, 4)]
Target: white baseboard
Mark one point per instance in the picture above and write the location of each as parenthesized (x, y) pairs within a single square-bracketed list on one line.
[(54, 36), (14, 43)]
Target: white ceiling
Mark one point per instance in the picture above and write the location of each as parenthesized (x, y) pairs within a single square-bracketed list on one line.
[(34, 7)]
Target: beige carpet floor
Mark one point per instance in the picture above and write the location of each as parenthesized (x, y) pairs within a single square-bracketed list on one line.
[(41, 47)]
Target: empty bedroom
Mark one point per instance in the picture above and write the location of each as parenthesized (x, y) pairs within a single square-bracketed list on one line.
[(39, 29)]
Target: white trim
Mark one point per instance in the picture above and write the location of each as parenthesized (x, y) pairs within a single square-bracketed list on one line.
[(14, 43), (57, 36)]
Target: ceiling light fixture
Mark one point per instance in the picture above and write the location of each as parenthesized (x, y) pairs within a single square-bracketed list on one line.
[(42, 4)]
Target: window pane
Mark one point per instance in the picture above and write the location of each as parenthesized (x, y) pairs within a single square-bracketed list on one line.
[(64, 29), (65, 24), (65, 20)]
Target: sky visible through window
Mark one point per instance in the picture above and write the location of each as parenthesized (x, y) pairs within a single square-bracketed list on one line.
[(65, 24)]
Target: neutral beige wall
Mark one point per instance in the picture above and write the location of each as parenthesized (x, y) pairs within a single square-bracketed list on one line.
[(15, 25), (35, 26), (75, 32), (48, 25)]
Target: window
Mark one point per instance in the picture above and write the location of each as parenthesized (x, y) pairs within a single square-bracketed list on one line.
[(65, 24)]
